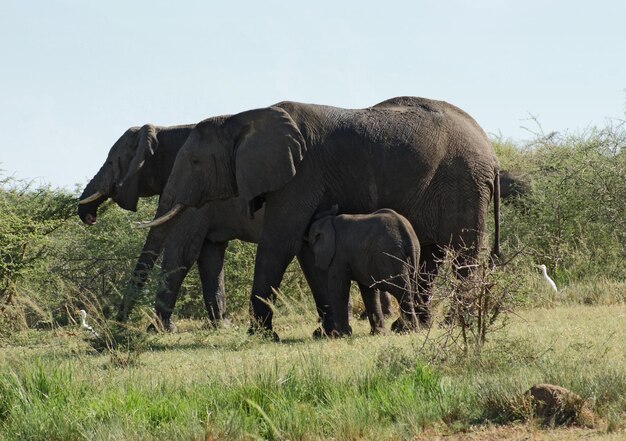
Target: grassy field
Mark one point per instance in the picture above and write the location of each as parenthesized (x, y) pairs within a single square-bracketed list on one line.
[(205, 384), (56, 383)]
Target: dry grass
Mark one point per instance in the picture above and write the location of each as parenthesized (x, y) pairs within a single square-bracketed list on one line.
[(196, 382)]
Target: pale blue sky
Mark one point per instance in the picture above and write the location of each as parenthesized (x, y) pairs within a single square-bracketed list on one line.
[(75, 74)]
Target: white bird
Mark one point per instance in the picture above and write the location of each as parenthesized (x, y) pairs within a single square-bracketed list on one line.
[(83, 323), (549, 281)]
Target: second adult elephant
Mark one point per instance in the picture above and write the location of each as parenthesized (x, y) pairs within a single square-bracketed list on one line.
[(427, 160), (138, 165)]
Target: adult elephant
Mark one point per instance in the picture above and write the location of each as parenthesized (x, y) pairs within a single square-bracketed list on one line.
[(138, 165), (427, 160)]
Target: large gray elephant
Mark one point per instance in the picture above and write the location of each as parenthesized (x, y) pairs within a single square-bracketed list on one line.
[(427, 160), (380, 252), (138, 165)]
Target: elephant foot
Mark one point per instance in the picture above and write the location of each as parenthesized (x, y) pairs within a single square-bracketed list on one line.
[(159, 327), (378, 331), (401, 326), (345, 331), (265, 333), (319, 333)]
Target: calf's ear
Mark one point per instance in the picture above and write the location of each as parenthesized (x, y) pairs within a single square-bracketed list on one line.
[(324, 242)]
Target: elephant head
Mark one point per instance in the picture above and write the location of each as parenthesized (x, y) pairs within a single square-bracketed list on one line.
[(322, 240), (513, 184), (251, 154), (118, 178)]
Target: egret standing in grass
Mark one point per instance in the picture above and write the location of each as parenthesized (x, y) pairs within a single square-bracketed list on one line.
[(547, 278), (84, 324)]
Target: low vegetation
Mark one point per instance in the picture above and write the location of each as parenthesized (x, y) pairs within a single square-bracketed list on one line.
[(468, 374)]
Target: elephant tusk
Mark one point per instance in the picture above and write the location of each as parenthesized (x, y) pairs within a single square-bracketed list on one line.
[(91, 198), (161, 220)]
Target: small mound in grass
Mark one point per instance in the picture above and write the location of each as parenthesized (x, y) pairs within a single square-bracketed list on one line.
[(557, 406)]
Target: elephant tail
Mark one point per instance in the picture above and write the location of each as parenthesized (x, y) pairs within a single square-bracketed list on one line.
[(495, 251)]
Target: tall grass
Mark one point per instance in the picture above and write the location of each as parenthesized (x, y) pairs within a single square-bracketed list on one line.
[(207, 384)]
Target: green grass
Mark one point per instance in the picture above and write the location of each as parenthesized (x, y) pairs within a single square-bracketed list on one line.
[(201, 384)]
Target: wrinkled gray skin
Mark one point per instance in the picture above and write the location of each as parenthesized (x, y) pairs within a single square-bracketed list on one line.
[(379, 251), (138, 165), (425, 159)]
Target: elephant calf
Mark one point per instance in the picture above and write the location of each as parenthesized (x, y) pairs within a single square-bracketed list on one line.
[(379, 251)]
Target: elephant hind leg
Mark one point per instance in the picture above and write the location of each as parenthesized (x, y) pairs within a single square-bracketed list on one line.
[(402, 289), (371, 299), (430, 259)]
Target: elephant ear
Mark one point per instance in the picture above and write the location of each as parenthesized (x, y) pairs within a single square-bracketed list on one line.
[(323, 241), (269, 146), (128, 187)]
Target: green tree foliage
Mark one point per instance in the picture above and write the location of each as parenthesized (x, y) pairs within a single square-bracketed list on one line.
[(28, 219), (574, 219)]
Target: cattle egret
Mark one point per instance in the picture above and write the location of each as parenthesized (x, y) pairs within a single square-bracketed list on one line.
[(83, 323), (549, 281)]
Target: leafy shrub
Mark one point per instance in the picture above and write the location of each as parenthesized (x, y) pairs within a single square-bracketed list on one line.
[(28, 220), (574, 218)]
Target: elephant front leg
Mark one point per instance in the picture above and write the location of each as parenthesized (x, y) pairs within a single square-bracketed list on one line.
[(269, 267), (211, 269), (371, 299), (317, 280), (339, 296), (149, 254), (430, 257), (287, 215), (174, 271)]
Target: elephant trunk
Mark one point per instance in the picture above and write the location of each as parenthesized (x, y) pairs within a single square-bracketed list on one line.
[(88, 203)]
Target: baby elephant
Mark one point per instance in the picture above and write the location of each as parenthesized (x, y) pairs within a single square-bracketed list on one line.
[(380, 252)]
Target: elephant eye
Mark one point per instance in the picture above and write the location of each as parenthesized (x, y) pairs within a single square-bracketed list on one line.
[(195, 162)]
